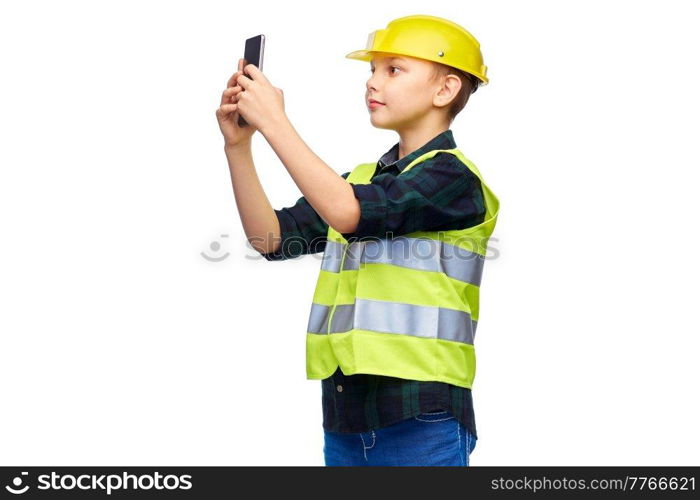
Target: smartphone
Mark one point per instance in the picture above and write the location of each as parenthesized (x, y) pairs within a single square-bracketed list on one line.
[(253, 54)]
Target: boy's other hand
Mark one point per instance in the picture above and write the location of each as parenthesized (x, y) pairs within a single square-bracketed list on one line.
[(227, 113), (260, 102)]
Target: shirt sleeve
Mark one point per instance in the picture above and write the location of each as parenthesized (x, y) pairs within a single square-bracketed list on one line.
[(441, 193), (302, 231)]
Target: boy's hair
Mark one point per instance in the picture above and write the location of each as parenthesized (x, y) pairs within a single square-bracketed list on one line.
[(469, 85)]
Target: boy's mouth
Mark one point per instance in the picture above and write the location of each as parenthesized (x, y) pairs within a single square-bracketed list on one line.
[(373, 104)]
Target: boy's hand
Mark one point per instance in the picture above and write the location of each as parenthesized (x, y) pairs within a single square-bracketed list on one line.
[(227, 113), (260, 103)]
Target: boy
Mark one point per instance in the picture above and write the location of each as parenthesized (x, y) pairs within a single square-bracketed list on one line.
[(391, 330)]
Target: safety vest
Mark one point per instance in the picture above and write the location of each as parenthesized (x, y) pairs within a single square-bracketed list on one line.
[(404, 306)]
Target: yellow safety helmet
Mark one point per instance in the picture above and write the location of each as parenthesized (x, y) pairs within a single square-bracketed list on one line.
[(427, 37)]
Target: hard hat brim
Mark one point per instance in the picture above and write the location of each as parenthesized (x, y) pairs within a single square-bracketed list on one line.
[(360, 55)]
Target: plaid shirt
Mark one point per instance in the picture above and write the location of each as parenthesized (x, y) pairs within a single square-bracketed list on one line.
[(440, 193)]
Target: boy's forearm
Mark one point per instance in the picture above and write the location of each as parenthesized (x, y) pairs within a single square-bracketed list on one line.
[(326, 191), (257, 215)]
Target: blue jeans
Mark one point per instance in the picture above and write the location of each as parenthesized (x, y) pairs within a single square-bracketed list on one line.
[(428, 439)]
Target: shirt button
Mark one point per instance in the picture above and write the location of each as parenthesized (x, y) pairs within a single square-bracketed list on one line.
[(339, 387)]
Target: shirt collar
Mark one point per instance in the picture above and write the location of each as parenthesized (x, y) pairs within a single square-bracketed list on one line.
[(444, 140)]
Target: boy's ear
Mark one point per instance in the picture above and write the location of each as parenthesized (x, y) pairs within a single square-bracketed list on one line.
[(450, 87)]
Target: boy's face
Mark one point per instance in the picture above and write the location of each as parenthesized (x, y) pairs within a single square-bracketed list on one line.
[(403, 84)]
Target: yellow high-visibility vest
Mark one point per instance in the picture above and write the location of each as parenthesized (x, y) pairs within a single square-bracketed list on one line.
[(404, 306)]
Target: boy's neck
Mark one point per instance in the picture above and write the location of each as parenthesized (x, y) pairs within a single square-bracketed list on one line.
[(412, 139)]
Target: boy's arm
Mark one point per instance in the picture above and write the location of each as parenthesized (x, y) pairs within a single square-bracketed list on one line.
[(303, 231), (275, 234), (257, 216), (330, 196), (440, 193)]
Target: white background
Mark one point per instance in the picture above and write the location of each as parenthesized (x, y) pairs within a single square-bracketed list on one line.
[(121, 345)]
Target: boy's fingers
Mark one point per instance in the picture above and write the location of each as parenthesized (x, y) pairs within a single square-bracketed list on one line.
[(228, 93), (244, 81), (226, 109), (232, 81), (225, 95), (254, 72)]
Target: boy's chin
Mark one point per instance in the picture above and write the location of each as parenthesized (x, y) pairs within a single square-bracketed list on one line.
[(383, 124)]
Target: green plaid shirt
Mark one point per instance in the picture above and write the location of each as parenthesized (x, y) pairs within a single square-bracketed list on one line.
[(440, 193)]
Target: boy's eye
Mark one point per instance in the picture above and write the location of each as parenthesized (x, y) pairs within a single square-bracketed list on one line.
[(390, 67)]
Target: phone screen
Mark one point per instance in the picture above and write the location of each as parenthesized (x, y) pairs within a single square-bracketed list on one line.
[(253, 54), (254, 48)]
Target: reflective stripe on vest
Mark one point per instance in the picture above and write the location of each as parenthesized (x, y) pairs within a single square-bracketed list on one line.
[(424, 254), (390, 317)]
